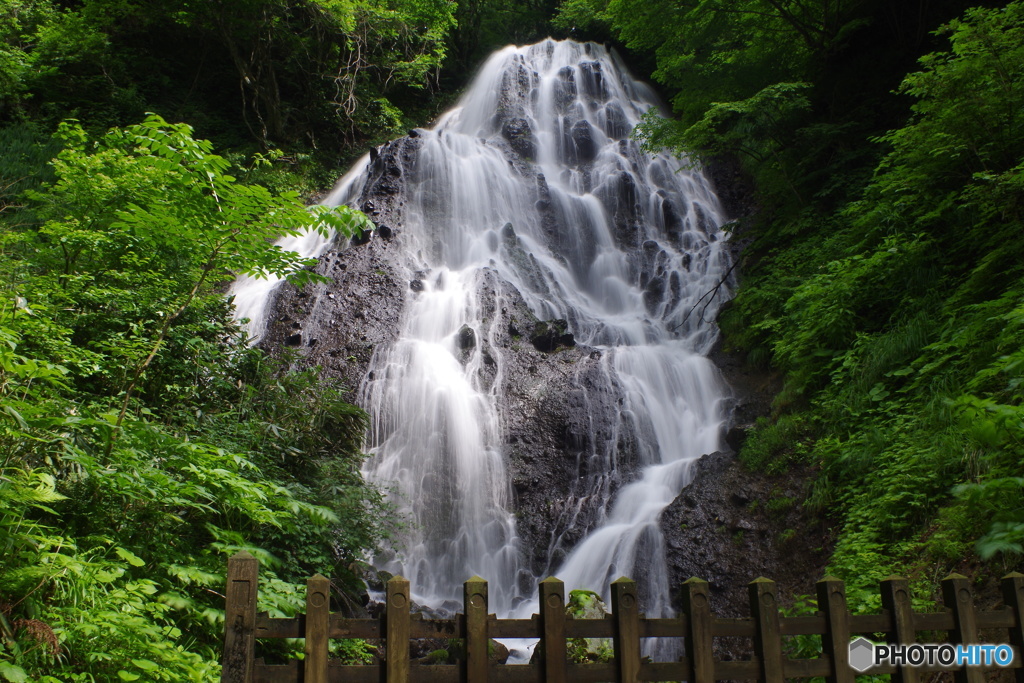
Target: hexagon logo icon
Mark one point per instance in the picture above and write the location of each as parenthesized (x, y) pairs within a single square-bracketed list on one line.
[(862, 654)]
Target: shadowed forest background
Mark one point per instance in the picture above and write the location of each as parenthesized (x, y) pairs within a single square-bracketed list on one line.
[(149, 151)]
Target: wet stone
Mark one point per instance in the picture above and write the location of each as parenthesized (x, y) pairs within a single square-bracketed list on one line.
[(552, 335), (466, 338), (519, 134)]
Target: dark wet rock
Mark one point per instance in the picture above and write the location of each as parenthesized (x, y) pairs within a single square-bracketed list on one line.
[(672, 217), (416, 285), (294, 339), (620, 194), (360, 308), (551, 335), (654, 293), (516, 84), (559, 410), (592, 81), (616, 125), (734, 187), (736, 437), (519, 134), (730, 526), (565, 89), (385, 231), (466, 338), (584, 148)]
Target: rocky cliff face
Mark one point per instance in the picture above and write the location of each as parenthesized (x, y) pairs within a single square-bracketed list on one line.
[(559, 405), (728, 526)]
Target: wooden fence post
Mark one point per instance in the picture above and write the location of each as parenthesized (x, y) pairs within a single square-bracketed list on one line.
[(764, 607), (699, 642), (835, 642), (627, 629), (1013, 597), (240, 619), (956, 594), (552, 622), (396, 623), (475, 601), (318, 624), (896, 600)]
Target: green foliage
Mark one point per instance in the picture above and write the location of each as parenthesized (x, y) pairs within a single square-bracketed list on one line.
[(585, 604), (774, 445), (897, 321), (487, 25), (143, 441), (299, 72), (723, 51), (760, 128), (353, 651)]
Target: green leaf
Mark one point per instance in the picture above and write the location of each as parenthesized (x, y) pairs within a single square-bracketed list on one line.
[(129, 557), (145, 664), (13, 673)]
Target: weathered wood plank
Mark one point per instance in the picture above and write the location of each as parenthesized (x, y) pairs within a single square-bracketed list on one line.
[(728, 626), (552, 619), (517, 673), (1003, 617), (662, 628), (340, 627), (278, 673), (339, 673), (699, 639), (803, 626), (956, 594), (396, 621), (475, 604), (625, 626), (516, 628), (625, 611), (240, 619), (896, 602), (666, 671), (592, 673), (764, 606), (318, 621), (590, 628), (836, 640), (438, 628), (1013, 595), (870, 623)]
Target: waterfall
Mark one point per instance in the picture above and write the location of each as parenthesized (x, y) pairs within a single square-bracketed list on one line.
[(531, 189)]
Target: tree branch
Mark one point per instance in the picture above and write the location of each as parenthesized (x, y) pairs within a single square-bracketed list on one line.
[(713, 292)]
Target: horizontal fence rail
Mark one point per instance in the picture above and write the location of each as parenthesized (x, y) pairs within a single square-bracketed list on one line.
[(696, 628)]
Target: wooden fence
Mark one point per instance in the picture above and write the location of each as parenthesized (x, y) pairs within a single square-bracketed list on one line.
[(696, 626)]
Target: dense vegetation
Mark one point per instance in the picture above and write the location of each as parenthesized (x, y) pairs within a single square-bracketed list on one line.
[(884, 277), (142, 440)]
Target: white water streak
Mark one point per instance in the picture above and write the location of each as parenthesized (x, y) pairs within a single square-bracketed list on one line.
[(587, 228)]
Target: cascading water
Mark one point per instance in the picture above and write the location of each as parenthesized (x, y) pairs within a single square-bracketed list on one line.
[(533, 182), (252, 296)]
